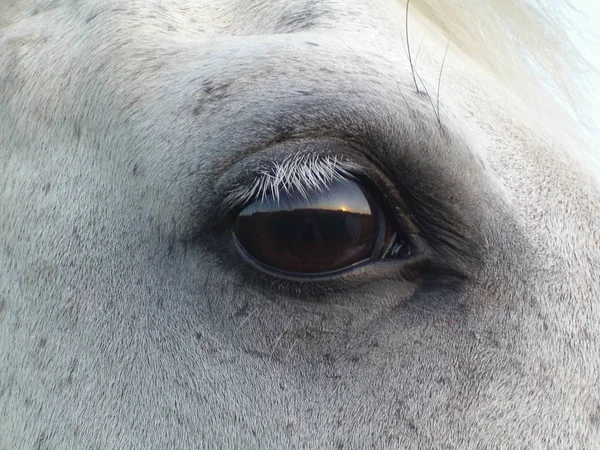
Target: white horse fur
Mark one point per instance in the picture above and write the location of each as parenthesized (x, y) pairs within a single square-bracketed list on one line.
[(128, 319)]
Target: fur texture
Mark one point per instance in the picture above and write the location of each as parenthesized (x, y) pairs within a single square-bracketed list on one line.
[(129, 320)]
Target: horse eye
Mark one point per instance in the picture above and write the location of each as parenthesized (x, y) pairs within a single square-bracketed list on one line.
[(317, 234)]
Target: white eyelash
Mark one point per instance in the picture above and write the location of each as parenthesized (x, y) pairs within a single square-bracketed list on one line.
[(303, 174)]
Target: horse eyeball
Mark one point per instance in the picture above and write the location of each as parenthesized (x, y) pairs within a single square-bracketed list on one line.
[(315, 234)]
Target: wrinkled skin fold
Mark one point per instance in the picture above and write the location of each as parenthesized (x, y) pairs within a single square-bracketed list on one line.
[(129, 320)]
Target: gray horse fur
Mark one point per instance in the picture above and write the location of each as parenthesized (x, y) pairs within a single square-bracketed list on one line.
[(127, 317)]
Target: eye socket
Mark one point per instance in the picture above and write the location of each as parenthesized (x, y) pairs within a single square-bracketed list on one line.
[(319, 233)]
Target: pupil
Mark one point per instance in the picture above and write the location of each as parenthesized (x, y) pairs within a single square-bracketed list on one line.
[(328, 231)]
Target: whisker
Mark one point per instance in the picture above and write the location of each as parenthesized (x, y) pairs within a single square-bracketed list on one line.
[(412, 68), (418, 52), (427, 93), (289, 352), (280, 337), (248, 317), (440, 83)]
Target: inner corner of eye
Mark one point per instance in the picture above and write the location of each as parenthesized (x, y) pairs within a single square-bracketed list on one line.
[(319, 232)]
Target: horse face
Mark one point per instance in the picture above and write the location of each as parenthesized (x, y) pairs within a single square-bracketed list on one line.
[(131, 136)]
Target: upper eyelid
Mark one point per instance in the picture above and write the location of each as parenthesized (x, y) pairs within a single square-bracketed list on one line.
[(302, 173)]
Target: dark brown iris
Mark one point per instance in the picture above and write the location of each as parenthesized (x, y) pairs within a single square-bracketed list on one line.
[(325, 231)]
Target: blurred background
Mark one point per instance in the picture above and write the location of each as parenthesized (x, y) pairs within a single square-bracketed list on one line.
[(583, 22)]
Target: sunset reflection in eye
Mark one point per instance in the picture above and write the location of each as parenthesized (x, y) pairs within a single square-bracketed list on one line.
[(345, 196)]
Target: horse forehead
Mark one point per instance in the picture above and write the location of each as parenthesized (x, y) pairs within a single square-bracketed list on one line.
[(330, 36), (206, 19), (223, 16), (123, 30), (244, 40)]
